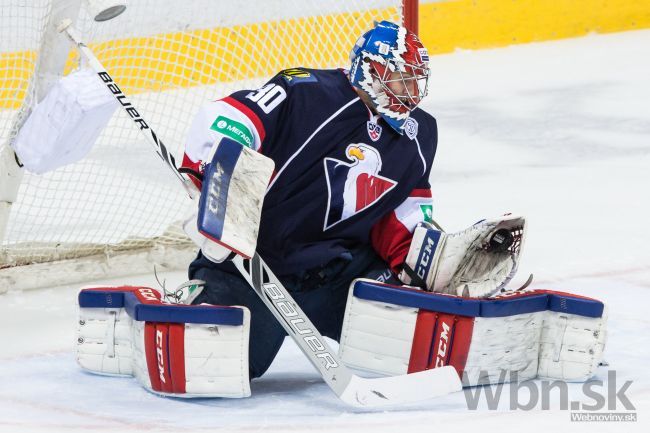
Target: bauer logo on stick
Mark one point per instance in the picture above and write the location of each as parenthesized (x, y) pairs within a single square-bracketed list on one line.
[(299, 325)]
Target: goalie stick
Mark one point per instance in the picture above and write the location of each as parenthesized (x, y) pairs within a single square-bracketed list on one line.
[(350, 388)]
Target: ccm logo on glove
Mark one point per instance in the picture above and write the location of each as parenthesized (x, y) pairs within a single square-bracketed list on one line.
[(426, 254)]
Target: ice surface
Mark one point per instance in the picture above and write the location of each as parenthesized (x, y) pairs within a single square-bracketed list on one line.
[(557, 131)]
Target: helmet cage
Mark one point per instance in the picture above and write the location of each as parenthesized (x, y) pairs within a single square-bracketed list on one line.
[(411, 79)]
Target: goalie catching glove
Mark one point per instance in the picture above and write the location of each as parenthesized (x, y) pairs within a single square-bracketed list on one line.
[(476, 262)]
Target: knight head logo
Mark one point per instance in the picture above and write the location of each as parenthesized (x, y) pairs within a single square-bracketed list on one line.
[(354, 185)]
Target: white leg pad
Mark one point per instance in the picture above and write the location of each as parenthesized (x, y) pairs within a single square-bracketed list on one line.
[(395, 330), (170, 356)]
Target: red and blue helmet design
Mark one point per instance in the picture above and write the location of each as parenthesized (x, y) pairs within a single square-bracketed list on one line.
[(391, 65)]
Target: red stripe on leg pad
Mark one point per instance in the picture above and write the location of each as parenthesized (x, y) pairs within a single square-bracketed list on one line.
[(177, 356), (440, 339), (441, 342), (460, 343), (162, 356), (150, 354), (422, 337)]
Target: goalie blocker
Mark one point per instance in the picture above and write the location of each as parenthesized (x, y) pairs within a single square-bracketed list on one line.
[(172, 350), (227, 215), (541, 333)]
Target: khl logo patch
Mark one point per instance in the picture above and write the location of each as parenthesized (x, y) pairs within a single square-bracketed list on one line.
[(374, 130), (353, 187)]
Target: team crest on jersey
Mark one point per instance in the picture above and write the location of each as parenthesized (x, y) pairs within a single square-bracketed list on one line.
[(374, 130), (354, 186)]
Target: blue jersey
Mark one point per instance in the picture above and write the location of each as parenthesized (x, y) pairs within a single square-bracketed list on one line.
[(343, 177)]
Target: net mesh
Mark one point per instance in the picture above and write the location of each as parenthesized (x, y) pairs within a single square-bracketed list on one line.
[(169, 60)]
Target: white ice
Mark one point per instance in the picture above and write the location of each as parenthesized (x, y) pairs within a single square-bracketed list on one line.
[(557, 131)]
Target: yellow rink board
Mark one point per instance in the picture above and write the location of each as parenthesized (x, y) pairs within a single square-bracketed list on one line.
[(475, 24), (201, 57)]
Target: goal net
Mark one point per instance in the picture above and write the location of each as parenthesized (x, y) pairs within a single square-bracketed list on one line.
[(118, 211)]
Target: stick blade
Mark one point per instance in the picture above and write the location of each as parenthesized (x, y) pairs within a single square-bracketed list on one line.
[(385, 391)]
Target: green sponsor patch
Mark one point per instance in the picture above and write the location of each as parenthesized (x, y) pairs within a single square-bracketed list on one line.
[(233, 129), (427, 212)]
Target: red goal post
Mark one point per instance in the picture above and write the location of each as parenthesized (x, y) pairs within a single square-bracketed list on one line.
[(410, 15)]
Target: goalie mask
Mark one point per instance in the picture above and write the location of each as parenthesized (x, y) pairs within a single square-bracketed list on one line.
[(391, 65)]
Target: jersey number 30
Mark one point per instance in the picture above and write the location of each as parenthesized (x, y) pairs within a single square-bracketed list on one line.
[(268, 97)]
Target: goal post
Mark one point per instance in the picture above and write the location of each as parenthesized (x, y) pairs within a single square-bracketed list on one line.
[(117, 212)]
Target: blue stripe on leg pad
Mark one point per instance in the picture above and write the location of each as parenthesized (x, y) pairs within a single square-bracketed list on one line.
[(137, 310), (527, 302)]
